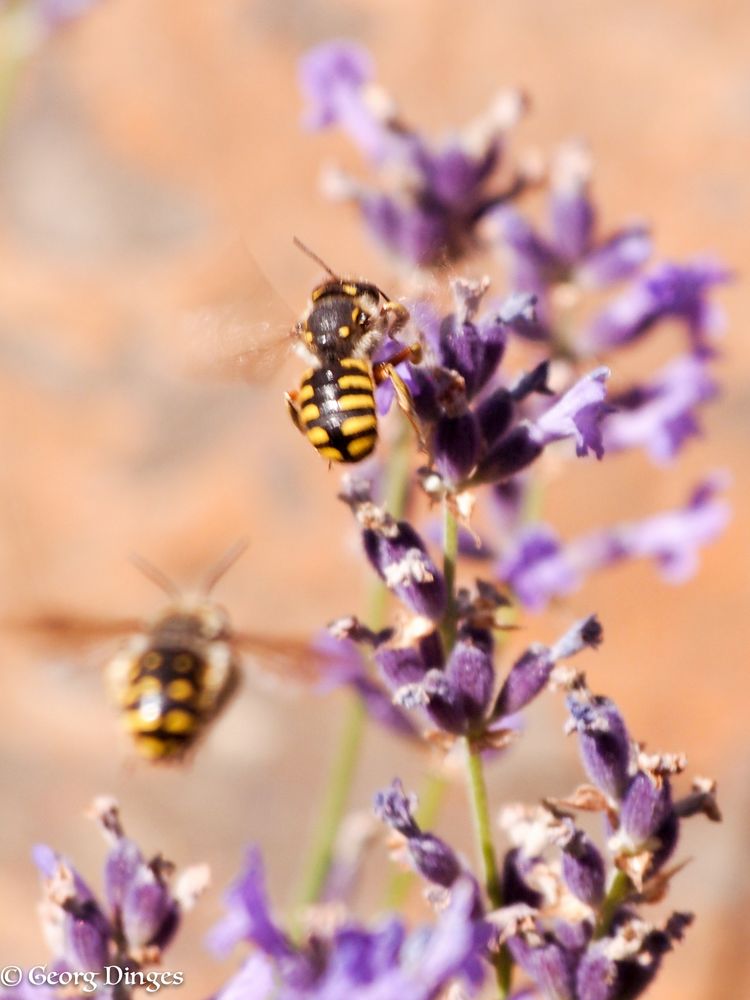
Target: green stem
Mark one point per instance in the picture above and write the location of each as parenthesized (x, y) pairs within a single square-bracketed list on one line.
[(334, 801), (346, 755), (490, 873), (619, 890)]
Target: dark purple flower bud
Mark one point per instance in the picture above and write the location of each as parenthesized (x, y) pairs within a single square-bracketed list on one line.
[(472, 349), (495, 414), (528, 676), (516, 865), (578, 414), (668, 291), (585, 634), (455, 446), (666, 836), (647, 803), (408, 664), (550, 965), (471, 672), (512, 453), (400, 558), (534, 381), (444, 702), (603, 740), (432, 857), (583, 869)]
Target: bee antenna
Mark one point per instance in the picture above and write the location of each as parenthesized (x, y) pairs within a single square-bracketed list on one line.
[(155, 575), (313, 256), (224, 564)]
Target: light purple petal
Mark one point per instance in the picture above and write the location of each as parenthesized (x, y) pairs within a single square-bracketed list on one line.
[(578, 414)]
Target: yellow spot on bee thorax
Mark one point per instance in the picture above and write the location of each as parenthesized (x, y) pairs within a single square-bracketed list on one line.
[(358, 364), (309, 336), (318, 436), (180, 689), (354, 382), (179, 722), (349, 289), (309, 413), (356, 313), (353, 425), (344, 332), (306, 393), (151, 660), (360, 447), (358, 402)]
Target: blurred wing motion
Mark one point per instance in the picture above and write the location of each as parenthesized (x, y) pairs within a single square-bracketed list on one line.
[(238, 325), (68, 629), (287, 659)]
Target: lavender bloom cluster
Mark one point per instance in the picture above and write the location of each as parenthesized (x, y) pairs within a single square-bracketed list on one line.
[(563, 909), (109, 944)]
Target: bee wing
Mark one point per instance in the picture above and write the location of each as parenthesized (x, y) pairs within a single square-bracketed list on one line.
[(70, 630), (293, 659), (240, 327)]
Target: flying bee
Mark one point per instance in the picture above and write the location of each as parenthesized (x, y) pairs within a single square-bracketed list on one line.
[(175, 673), (344, 323)]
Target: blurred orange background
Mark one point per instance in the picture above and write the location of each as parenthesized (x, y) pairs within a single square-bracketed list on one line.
[(137, 145)]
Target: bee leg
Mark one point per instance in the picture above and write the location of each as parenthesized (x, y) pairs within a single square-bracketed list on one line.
[(386, 370), (292, 406)]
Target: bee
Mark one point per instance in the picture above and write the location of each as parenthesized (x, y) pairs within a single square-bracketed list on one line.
[(334, 407), (174, 674)]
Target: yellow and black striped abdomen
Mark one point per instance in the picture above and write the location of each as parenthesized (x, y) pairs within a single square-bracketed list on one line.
[(337, 410), (162, 701)]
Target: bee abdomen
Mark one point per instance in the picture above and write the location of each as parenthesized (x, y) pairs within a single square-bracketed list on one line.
[(161, 703), (337, 410)]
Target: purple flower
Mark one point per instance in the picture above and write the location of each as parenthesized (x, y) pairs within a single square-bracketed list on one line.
[(437, 193), (659, 415), (531, 671), (57, 13), (374, 964), (668, 291), (398, 554), (625, 962), (432, 857), (539, 567), (346, 666), (603, 741), (578, 414), (583, 869)]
